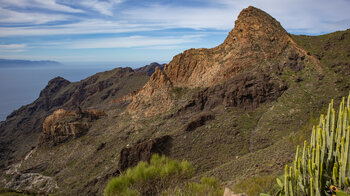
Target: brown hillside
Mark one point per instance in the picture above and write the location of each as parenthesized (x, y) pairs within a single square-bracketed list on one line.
[(236, 112), (256, 37)]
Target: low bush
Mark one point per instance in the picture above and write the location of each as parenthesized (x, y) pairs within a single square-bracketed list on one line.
[(150, 178)]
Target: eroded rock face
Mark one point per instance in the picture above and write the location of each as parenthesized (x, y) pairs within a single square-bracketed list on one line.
[(156, 90), (255, 38), (63, 124), (247, 91), (130, 156)]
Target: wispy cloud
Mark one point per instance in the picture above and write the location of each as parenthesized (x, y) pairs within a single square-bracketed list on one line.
[(43, 4), (12, 48), (126, 42), (151, 25), (183, 17), (94, 26), (10, 17), (103, 7), (302, 16)]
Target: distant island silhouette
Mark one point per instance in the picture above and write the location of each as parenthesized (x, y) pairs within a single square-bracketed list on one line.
[(11, 63)]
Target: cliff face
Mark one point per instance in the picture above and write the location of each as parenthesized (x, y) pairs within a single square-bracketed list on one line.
[(156, 91), (63, 125), (256, 37)]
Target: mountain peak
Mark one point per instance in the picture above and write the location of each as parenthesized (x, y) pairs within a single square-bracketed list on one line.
[(54, 85), (256, 37), (255, 27)]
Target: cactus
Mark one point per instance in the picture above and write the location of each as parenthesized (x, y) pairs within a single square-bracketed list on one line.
[(326, 160)]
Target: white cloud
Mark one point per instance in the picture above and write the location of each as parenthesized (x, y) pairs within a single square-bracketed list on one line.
[(183, 17), (295, 15), (9, 16), (43, 4), (83, 27), (306, 16), (103, 7), (125, 42), (12, 48)]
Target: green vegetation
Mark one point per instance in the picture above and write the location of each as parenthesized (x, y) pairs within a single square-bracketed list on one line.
[(255, 185), (150, 178), (325, 161), (162, 176)]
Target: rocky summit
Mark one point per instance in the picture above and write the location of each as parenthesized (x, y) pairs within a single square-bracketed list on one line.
[(256, 38), (236, 111)]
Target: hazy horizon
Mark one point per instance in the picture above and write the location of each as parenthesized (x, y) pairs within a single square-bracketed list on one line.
[(21, 85)]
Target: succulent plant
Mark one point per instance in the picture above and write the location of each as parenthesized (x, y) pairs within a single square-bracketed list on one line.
[(325, 161)]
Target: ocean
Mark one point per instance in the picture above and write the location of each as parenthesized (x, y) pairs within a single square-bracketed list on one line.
[(21, 86)]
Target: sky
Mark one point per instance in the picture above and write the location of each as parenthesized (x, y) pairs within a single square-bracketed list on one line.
[(144, 30)]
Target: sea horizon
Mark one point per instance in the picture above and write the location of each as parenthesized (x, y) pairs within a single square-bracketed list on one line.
[(20, 86)]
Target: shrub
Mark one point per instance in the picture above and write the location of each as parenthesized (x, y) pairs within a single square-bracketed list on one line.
[(150, 178)]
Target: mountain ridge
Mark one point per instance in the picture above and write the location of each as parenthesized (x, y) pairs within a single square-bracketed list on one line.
[(241, 125), (25, 123), (255, 37)]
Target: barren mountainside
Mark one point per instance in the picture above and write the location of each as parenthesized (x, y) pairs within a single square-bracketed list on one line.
[(236, 111), (257, 37)]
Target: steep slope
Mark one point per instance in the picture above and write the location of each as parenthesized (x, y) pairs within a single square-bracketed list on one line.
[(243, 119), (19, 133), (255, 39)]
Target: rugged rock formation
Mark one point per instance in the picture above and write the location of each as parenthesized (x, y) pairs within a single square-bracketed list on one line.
[(143, 151), (247, 90), (151, 68), (156, 91), (63, 124), (256, 37), (262, 86)]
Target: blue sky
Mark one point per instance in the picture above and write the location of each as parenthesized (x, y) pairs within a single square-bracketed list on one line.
[(144, 30)]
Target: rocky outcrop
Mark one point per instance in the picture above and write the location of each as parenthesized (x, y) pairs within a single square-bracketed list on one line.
[(28, 182), (63, 125), (33, 182), (130, 156), (155, 94), (150, 69), (247, 91), (256, 37)]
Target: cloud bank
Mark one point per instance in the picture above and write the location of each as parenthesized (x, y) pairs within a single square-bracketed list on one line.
[(151, 24)]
